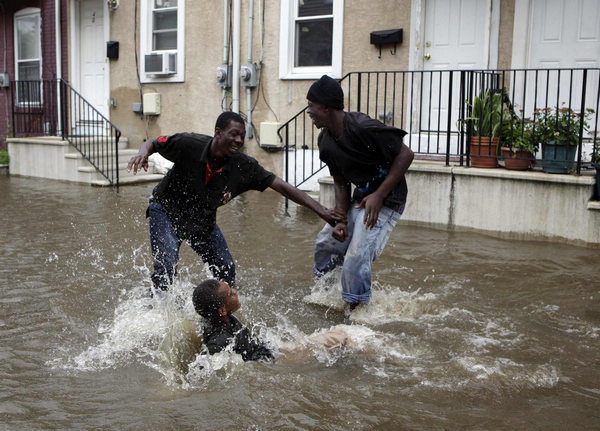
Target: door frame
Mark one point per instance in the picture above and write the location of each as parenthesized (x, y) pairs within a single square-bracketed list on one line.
[(417, 33), (75, 49)]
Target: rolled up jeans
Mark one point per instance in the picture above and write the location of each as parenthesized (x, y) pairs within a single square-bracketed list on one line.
[(357, 253), (165, 245)]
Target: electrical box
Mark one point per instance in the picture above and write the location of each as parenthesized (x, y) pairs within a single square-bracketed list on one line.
[(224, 76), (248, 75), (268, 135), (151, 104), (4, 82)]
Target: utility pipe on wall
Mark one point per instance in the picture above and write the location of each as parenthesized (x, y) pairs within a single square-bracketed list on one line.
[(225, 48), (58, 36), (235, 81), (249, 128)]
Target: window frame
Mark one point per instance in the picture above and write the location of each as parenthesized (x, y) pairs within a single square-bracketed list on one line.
[(287, 42), (146, 34), (25, 13)]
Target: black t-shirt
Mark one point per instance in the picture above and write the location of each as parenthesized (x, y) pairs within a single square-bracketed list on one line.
[(363, 155), (191, 203), (218, 337)]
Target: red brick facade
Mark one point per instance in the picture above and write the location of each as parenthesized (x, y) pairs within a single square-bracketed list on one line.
[(48, 42)]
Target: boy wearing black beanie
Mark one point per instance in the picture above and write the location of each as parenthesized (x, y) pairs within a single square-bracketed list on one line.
[(362, 151)]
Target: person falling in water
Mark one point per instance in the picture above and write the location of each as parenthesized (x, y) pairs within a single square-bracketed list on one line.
[(365, 152), (208, 172), (216, 302)]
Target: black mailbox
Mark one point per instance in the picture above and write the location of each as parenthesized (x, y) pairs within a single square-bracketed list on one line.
[(112, 49), (382, 37), (385, 37)]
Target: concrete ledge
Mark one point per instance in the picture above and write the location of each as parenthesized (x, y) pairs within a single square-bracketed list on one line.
[(516, 204), (3, 170), (39, 140)]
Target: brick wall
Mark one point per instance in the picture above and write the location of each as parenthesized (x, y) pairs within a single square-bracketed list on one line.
[(48, 42)]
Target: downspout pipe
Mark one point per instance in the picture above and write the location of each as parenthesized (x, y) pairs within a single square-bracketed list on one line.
[(249, 127), (235, 81), (225, 49), (58, 37)]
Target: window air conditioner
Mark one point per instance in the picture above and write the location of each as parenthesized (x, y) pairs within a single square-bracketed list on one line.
[(163, 63)]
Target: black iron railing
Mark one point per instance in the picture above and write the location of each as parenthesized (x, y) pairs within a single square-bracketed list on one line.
[(434, 108), (54, 108)]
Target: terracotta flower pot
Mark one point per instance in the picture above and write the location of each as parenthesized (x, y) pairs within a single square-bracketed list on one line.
[(516, 159), (484, 152)]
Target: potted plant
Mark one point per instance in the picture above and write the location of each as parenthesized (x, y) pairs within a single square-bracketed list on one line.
[(518, 143), (558, 131), (484, 125)]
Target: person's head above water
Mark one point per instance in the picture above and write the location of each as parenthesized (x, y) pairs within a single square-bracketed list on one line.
[(328, 92), (215, 300)]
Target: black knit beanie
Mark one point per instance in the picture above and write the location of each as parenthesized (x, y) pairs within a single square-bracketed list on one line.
[(327, 91)]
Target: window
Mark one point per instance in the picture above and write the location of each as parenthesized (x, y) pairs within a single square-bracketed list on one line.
[(28, 58), (162, 41), (311, 39)]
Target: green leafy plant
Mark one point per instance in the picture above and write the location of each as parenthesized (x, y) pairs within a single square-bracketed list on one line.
[(561, 125), (518, 134), (3, 157), (486, 115)]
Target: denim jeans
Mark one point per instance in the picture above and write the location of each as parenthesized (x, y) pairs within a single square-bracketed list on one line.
[(165, 246), (356, 253)]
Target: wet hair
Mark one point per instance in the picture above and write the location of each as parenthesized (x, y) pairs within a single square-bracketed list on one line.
[(207, 300), (227, 117)]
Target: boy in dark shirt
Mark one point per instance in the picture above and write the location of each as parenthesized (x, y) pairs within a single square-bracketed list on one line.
[(208, 172), (215, 301), (362, 151)]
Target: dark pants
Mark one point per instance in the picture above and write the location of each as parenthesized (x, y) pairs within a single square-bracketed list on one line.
[(165, 246)]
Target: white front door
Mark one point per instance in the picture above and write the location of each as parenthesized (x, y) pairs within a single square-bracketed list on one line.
[(564, 34), (92, 55), (455, 35)]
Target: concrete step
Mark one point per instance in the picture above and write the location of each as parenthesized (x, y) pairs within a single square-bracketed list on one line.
[(123, 154), (130, 180)]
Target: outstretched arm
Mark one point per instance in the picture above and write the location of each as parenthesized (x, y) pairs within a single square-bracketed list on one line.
[(342, 190), (373, 202), (140, 160), (303, 199)]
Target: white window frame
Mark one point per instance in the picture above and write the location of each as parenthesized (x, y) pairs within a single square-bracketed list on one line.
[(289, 11), (146, 43), (23, 13)]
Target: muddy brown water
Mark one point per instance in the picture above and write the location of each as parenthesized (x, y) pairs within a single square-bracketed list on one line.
[(464, 331)]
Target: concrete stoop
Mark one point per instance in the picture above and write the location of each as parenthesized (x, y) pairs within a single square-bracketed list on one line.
[(54, 158), (512, 204)]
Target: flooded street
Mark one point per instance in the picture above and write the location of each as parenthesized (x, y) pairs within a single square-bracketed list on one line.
[(464, 331)]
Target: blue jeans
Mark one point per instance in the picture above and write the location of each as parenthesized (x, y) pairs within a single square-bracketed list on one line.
[(356, 253), (165, 246)]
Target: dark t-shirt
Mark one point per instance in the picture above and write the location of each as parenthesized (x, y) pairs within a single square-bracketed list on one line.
[(363, 155), (218, 337), (191, 203)]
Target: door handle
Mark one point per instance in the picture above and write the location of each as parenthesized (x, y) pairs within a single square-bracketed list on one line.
[(427, 56)]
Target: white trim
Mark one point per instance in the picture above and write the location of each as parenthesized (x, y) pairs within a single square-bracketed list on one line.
[(74, 44), (106, 13), (286, 44), (494, 35), (521, 34), (29, 11), (146, 43)]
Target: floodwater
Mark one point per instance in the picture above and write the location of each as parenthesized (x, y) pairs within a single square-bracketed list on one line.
[(465, 331)]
